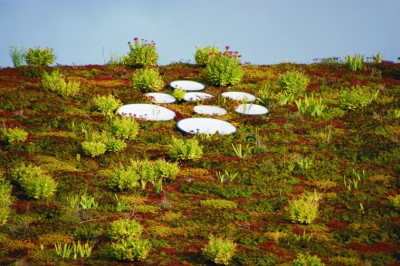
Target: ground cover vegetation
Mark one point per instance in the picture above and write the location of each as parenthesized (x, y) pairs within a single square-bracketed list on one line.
[(314, 182)]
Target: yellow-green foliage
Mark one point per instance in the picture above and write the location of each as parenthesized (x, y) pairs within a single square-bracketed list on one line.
[(124, 229), (5, 200), (107, 104), (55, 81), (34, 181), (219, 250), (40, 57), (127, 242), (142, 54), (218, 203), (395, 200), (98, 143), (185, 149), (305, 209), (124, 127), (292, 83), (302, 260), (224, 69), (147, 79), (13, 135), (203, 55)]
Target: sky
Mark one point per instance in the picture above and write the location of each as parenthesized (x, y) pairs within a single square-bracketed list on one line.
[(83, 32)]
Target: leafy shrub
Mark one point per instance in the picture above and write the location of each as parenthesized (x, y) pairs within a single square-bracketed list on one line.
[(98, 143), (142, 54), (123, 179), (305, 209), (188, 149), (125, 229), (55, 82), (203, 55), (94, 148), (17, 56), (357, 97), (36, 184), (128, 246), (218, 203), (378, 58), (131, 249), (5, 200), (107, 104), (224, 69), (179, 94), (147, 79), (395, 200), (219, 250), (303, 260), (38, 57), (293, 83), (124, 127), (166, 170), (12, 135), (354, 62)]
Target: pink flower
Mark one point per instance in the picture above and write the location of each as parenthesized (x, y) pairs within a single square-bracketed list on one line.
[(136, 38), (227, 47)]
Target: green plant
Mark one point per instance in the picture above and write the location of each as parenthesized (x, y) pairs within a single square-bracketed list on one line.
[(240, 152), (13, 135), (131, 249), (226, 176), (5, 200), (123, 179), (55, 82), (39, 57), (87, 202), (166, 170), (179, 94), (218, 203), (224, 69), (17, 56), (34, 181), (219, 250), (121, 204), (76, 249), (124, 127), (147, 79), (124, 229), (305, 209), (378, 58), (357, 97), (98, 143), (307, 260), (354, 62), (293, 83), (203, 55), (143, 54), (94, 148), (310, 106), (187, 149), (107, 104), (395, 200)]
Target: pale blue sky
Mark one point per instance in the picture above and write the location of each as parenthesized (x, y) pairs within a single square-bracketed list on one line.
[(263, 31)]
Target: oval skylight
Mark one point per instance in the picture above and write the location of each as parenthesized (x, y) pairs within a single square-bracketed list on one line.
[(251, 109), (209, 126), (209, 110), (158, 97), (187, 85), (239, 96), (196, 96), (147, 112)]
